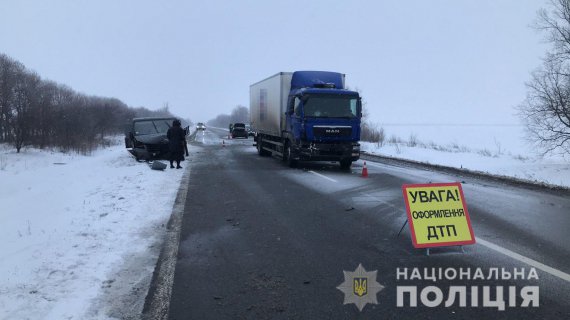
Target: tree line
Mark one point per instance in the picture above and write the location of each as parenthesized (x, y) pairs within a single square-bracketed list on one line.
[(42, 113), (239, 114)]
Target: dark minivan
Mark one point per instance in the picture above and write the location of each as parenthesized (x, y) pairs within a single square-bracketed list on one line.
[(238, 130), (145, 138)]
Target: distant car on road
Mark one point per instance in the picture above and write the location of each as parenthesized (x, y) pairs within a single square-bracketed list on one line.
[(249, 130), (238, 130), (145, 138), (200, 126)]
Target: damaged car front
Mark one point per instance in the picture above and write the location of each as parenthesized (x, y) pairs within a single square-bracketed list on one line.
[(145, 138)]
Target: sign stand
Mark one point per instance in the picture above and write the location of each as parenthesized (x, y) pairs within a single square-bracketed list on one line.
[(402, 228), (461, 247)]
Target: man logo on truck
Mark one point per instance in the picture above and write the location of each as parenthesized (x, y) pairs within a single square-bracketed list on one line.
[(332, 131)]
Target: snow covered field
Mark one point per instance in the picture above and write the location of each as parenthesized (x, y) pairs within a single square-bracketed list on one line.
[(509, 138), (497, 150), (71, 223), (79, 233)]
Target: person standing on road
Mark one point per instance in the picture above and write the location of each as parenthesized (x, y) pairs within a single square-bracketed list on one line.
[(176, 143)]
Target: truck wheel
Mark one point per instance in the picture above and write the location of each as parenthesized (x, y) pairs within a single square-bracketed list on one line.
[(288, 156), (345, 164), (260, 149)]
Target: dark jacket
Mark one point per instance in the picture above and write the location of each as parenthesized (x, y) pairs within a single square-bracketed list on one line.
[(176, 141)]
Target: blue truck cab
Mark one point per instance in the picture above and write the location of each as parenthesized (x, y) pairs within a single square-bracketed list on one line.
[(307, 116)]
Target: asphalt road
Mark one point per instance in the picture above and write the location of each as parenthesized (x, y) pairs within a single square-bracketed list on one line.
[(260, 240)]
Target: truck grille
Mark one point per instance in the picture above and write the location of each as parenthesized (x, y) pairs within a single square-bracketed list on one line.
[(332, 131)]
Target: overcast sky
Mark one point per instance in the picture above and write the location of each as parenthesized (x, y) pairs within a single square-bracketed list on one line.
[(413, 61)]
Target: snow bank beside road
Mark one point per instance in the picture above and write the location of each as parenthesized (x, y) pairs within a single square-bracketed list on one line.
[(553, 170), (69, 221)]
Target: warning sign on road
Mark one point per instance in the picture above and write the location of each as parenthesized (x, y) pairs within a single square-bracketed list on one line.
[(437, 215)]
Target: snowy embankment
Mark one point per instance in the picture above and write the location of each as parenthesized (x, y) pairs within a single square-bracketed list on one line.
[(544, 170), (70, 223)]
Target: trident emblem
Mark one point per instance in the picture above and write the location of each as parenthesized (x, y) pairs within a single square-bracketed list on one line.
[(360, 286)]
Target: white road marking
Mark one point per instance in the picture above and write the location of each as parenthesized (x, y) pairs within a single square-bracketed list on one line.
[(521, 258), (322, 176)]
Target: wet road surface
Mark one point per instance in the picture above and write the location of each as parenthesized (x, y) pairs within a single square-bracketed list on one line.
[(260, 240)]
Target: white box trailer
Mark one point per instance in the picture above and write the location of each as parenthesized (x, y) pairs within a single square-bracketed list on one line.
[(268, 100)]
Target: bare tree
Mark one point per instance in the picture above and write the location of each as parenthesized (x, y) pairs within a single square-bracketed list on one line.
[(44, 115), (546, 109), (221, 121), (25, 102), (556, 25), (370, 131), (240, 114), (9, 70)]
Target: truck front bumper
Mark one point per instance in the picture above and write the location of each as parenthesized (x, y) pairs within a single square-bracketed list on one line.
[(329, 151)]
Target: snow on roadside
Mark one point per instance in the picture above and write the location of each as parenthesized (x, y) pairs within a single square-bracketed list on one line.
[(68, 221), (549, 170)]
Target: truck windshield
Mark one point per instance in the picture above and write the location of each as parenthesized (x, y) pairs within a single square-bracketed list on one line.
[(152, 126), (331, 106)]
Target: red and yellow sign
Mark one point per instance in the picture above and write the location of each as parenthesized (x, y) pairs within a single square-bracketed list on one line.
[(437, 215)]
